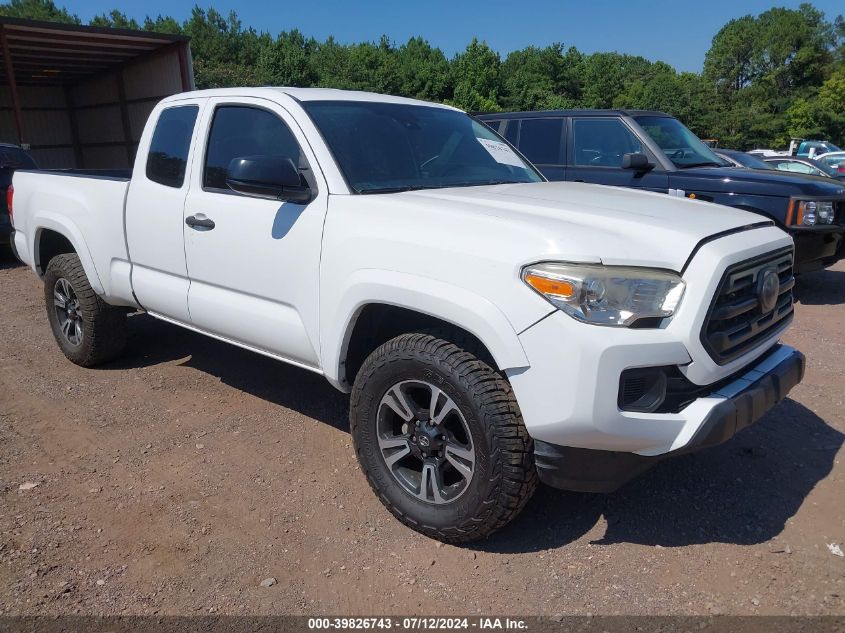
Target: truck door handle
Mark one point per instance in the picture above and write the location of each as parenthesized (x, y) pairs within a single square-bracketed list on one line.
[(202, 222)]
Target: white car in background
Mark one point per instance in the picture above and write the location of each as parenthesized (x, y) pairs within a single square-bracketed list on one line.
[(833, 159)]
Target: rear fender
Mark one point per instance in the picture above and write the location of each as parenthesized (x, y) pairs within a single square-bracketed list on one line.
[(64, 226)]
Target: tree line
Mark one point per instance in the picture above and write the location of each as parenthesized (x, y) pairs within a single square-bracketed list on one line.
[(766, 78)]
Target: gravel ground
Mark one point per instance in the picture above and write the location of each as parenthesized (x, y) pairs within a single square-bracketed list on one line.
[(178, 479)]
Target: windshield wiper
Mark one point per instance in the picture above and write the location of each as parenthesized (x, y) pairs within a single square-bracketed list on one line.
[(395, 189), (440, 186)]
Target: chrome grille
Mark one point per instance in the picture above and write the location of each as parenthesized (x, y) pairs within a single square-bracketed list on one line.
[(736, 323)]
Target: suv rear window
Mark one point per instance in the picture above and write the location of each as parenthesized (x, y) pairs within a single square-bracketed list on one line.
[(171, 142)]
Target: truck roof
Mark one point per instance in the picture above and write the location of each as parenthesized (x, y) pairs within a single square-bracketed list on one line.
[(304, 94), (577, 112)]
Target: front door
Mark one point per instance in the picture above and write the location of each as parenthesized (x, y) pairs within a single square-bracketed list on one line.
[(253, 263), (596, 148)]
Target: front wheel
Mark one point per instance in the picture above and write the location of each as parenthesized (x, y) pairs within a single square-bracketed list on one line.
[(439, 435), (88, 330)]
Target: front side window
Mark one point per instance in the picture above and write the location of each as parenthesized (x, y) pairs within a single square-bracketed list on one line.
[(239, 131), (540, 140), (387, 147), (679, 144), (168, 156), (601, 142)]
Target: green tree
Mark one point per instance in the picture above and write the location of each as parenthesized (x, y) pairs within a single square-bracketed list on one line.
[(163, 24), (729, 62), (115, 19), (224, 53), (286, 61), (541, 78), (422, 71), (475, 76), (45, 10)]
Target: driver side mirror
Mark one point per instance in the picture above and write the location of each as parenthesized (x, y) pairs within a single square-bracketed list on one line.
[(637, 162), (271, 177)]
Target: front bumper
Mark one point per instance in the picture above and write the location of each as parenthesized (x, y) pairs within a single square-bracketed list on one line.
[(569, 393), (818, 248), (741, 403)]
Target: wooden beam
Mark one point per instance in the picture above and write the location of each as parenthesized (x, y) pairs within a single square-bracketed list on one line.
[(13, 86)]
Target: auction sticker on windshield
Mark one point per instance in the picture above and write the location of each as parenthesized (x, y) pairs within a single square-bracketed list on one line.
[(501, 153)]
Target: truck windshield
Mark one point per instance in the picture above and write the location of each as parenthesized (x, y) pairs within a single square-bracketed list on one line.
[(680, 145), (388, 147)]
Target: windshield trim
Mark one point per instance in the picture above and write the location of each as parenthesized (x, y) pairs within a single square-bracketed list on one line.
[(353, 190)]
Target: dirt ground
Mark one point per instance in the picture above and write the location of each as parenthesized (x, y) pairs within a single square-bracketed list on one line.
[(180, 478)]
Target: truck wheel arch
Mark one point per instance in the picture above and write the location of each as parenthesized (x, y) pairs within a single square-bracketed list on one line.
[(373, 312), (53, 238)]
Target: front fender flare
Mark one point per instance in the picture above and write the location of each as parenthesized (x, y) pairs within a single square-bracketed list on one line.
[(459, 306)]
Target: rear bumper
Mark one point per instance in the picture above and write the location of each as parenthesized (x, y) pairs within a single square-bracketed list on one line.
[(743, 402), (11, 238)]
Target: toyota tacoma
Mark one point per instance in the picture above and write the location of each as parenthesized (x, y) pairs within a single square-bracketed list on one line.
[(494, 329)]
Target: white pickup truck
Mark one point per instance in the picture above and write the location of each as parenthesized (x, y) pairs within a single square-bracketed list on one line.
[(493, 328)]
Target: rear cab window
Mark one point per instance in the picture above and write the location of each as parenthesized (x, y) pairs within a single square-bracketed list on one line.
[(168, 156)]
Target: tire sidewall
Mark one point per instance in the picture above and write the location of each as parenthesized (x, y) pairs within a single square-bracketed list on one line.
[(408, 365), (61, 268)]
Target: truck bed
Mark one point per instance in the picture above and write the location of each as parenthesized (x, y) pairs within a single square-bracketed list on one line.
[(87, 207)]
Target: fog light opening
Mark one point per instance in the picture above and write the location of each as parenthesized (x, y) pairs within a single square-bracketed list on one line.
[(642, 389)]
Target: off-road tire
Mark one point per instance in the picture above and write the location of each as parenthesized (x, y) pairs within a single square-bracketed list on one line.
[(505, 476), (103, 326)]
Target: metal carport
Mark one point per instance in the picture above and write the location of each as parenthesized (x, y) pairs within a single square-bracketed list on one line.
[(78, 96)]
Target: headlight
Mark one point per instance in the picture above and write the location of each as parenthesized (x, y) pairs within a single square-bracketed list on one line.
[(814, 212), (606, 295)]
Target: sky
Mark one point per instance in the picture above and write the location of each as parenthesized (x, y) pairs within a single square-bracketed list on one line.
[(678, 32)]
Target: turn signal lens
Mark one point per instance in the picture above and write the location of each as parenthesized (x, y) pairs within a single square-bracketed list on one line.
[(548, 286)]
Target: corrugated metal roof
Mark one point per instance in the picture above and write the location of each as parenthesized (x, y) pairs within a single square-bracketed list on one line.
[(48, 53)]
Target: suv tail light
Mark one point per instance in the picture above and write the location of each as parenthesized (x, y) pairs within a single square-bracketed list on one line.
[(10, 193)]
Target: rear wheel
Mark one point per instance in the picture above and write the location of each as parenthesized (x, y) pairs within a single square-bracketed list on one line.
[(440, 438), (88, 330)]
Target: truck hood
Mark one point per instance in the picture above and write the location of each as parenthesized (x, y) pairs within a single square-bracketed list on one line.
[(759, 182), (584, 222)]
